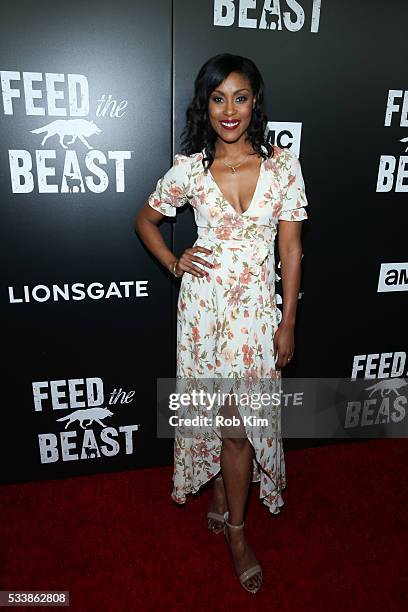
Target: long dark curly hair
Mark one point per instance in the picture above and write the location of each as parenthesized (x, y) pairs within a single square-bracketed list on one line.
[(198, 133)]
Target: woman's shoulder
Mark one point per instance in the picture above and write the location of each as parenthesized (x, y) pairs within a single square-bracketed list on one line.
[(185, 159), (281, 160), (179, 159), (280, 152), (188, 163)]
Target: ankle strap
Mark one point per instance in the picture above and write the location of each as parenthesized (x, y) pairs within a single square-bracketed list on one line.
[(226, 516)]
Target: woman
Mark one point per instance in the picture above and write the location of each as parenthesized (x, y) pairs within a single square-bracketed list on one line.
[(240, 187)]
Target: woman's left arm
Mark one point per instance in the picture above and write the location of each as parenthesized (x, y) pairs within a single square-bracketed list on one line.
[(291, 215), (290, 253)]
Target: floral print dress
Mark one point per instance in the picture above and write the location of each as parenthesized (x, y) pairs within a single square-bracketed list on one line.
[(226, 321)]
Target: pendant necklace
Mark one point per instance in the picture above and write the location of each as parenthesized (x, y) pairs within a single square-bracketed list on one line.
[(233, 167)]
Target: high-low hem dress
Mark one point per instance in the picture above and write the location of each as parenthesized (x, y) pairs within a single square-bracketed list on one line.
[(226, 321)]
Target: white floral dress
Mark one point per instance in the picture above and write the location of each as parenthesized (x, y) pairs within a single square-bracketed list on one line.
[(226, 321)]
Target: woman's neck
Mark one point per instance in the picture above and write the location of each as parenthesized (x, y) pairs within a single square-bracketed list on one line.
[(232, 151)]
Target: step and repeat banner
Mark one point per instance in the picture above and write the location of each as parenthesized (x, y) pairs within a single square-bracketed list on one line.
[(93, 103), (88, 322), (337, 95)]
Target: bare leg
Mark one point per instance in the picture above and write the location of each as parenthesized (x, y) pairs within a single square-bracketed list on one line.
[(236, 465)]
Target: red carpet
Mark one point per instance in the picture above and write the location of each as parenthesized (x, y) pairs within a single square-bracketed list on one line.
[(117, 542)]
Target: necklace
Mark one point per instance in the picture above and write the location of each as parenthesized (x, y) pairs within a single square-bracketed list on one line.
[(234, 166)]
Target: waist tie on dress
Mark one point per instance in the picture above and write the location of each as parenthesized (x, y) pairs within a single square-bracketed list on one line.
[(259, 246)]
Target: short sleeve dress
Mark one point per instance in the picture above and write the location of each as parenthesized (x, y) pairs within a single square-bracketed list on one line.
[(226, 321)]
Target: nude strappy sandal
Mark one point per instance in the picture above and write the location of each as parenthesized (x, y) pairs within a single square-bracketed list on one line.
[(216, 517), (251, 571)]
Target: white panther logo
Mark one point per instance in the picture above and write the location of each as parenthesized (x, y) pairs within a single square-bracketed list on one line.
[(76, 128)]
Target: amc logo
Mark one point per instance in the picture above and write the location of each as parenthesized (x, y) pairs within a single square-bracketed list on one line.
[(285, 134), (393, 277)]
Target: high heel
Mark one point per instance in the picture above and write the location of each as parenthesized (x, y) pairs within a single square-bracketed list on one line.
[(249, 573), (219, 518)]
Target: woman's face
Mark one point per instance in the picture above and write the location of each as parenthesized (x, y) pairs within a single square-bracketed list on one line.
[(230, 107)]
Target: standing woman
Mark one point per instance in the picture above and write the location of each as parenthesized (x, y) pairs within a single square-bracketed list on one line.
[(241, 188)]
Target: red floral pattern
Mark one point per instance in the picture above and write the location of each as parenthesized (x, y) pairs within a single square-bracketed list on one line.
[(226, 321)]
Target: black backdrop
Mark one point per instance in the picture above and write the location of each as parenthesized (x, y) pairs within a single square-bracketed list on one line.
[(328, 80)]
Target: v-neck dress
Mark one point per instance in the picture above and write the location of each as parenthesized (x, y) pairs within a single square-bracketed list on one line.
[(226, 321)]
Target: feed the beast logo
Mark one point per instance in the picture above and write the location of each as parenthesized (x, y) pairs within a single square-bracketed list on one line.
[(58, 106), (393, 169), (382, 400), (90, 429), (267, 14)]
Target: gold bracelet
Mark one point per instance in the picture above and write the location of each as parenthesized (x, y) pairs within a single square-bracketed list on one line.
[(173, 268)]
